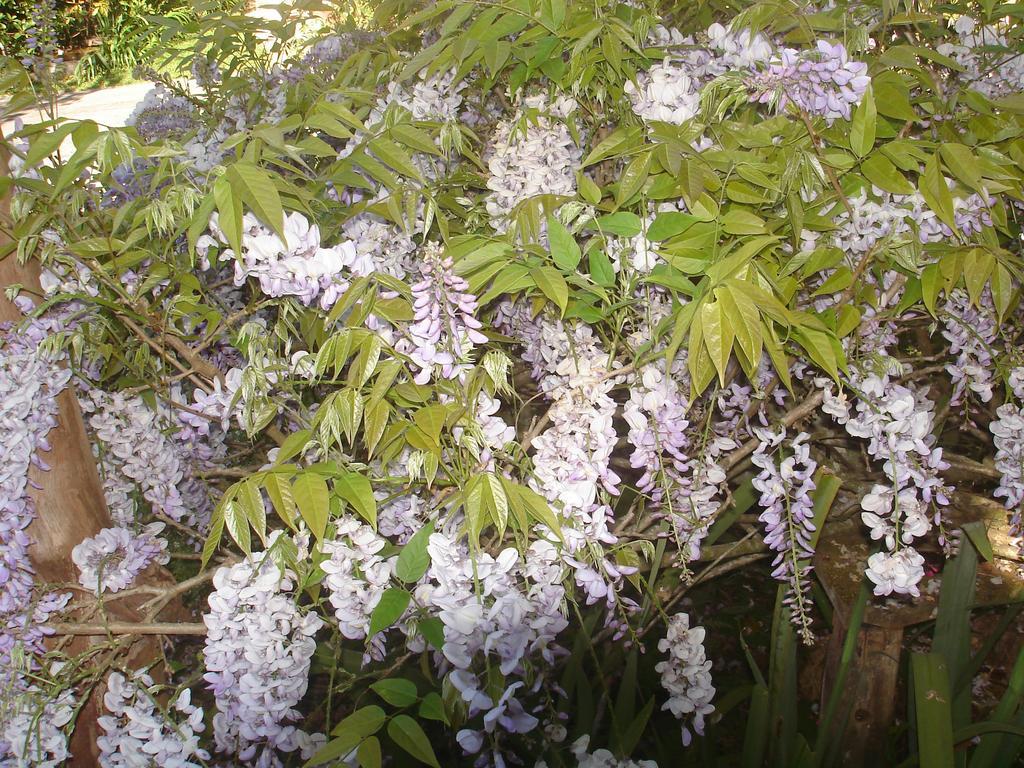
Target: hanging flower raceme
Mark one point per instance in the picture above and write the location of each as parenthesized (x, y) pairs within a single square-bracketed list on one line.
[(32, 728), (503, 611), (135, 453), (538, 159), (686, 675), (788, 515), (138, 731), (110, 560), (970, 332), (444, 329), (822, 81), (665, 93), (1008, 436), (296, 265), (356, 575), (897, 423), (258, 649), (30, 382)]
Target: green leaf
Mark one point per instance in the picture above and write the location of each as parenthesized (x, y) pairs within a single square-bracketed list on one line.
[(931, 284), (535, 504), (740, 221), (368, 753), (880, 171), (432, 708), (564, 249), (348, 734), (213, 538), (746, 322), (292, 446), (978, 535), (280, 492), (361, 723), (669, 224), (251, 501), (397, 692), (313, 500), (495, 501), (229, 213), (414, 138), (395, 156), (375, 421), (431, 420), (618, 141), (256, 187), (601, 271), (414, 559), (623, 223), (718, 334), (432, 630), (389, 609), (862, 132), (962, 163), (408, 735), (932, 700), (552, 284), (355, 488), (588, 189), (933, 188), (633, 178), (237, 523)]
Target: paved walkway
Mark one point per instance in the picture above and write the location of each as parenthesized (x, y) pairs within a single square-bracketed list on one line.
[(107, 106)]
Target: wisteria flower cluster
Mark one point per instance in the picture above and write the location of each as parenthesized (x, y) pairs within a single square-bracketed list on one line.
[(531, 154), (446, 362), (786, 483), (1008, 436), (897, 423), (505, 611), (823, 82), (136, 729), (257, 655), (686, 675), (444, 329), (110, 560)]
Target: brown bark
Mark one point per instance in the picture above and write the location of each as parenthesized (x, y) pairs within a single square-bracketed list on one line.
[(69, 502)]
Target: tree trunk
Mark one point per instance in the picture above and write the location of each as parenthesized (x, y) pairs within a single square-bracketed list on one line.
[(69, 503)]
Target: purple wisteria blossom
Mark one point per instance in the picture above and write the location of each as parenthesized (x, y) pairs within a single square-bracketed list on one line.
[(788, 515), (356, 575), (686, 675), (664, 93), (110, 560), (1008, 436), (970, 332), (258, 650), (501, 614), (683, 480), (444, 329), (821, 81), (897, 422), (30, 381), (138, 731)]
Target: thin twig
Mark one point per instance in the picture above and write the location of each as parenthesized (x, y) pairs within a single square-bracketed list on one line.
[(130, 628)]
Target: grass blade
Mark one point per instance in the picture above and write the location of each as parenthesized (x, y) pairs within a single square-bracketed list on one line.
[(825, 725), (756, 737), (952, 637), (933, 710), (988, 753), (782, 698)]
